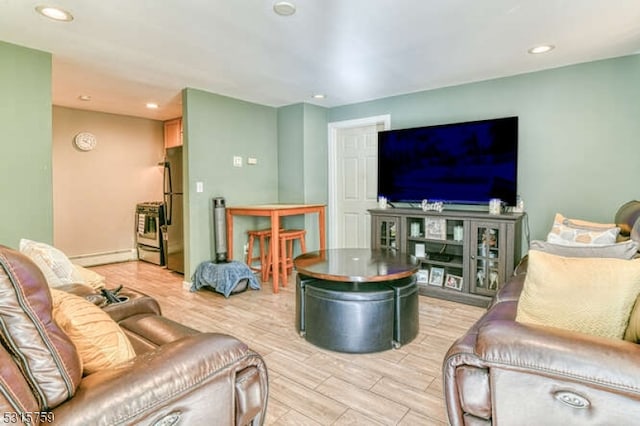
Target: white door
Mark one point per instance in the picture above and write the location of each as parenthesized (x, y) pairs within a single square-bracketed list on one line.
[(356, 184)]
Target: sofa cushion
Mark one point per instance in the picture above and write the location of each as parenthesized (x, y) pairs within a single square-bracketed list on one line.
[(632, 333), (90, 278), (587, 295), (624, 250), (45, 354), (53, 263), (100, 341), (576, 232)]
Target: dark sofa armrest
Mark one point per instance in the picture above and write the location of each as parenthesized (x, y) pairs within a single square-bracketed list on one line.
[(194, 378), (565, 354), (137, 304)]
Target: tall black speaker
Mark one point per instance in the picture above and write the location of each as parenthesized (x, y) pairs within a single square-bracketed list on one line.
[(220, 229)]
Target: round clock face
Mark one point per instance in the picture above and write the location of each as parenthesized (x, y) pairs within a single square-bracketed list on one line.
[(85, 141)]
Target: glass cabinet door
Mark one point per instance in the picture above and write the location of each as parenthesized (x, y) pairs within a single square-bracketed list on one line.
[(487, 258), (387, 233)]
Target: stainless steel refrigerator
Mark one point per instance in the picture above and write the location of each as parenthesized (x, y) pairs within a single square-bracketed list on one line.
[(173, 196)]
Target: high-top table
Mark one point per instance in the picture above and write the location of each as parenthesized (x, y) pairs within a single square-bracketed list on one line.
[(274, 211), (356, 300)]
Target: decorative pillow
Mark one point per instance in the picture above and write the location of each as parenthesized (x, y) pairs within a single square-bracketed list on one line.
[(99, 340), (626, 250), (53, 263), (632, 333), (587, 295), (90, 278), (578, 232)]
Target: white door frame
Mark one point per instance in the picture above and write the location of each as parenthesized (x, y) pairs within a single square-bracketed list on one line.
[(332, 175)]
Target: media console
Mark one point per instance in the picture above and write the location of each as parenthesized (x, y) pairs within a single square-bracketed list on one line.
[(464, 256)]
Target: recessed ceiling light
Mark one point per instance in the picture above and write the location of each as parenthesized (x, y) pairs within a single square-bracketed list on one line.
[(318, 96), (54, 13), (152, 105), (85, 98), (543, 48), (284, 8)]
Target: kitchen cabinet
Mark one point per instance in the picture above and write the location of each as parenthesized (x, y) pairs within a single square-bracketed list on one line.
[(173, 133)]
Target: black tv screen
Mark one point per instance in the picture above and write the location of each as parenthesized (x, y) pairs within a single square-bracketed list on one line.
[(461, 163)]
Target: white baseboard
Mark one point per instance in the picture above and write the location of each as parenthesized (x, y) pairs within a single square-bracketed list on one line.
[(103, 258), (186, 285)]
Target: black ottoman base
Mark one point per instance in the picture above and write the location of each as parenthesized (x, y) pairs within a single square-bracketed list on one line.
[(357, 317)]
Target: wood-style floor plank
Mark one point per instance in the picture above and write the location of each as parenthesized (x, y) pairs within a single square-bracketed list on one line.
[(310, 385)]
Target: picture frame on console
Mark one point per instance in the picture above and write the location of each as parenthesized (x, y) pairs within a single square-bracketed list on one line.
[(435, 228), (436, 276), (453, 282), (422, 276)]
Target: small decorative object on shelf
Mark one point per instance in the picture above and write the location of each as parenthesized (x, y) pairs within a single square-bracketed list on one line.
[(420, 250), (436, 276), (435, 228), (382, 202), (454, 282), (495, 206), (437, 206), (493, 280), (458, 233), (422, 276), (415, 229), (480, 277)]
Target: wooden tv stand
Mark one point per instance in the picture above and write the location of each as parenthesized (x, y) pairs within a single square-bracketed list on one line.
[(464, 256)]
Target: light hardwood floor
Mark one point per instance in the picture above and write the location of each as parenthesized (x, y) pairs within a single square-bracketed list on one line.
[(309, 385)]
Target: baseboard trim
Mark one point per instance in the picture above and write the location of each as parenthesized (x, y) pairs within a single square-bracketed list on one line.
[(103, 258)]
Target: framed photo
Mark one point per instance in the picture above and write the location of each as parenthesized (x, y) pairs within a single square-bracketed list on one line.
[(422, 276), (454, 282), (420, 250), (436, 276), (435, 228)]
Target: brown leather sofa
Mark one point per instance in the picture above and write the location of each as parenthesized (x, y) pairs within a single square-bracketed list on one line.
[(178, 377), (508, 373)]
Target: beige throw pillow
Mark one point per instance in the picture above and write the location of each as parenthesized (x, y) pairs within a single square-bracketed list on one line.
[(91, 278), (54, 264), (100, 341), (587, 295)]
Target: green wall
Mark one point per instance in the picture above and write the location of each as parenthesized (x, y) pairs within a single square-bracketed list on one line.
[(579, 132), (25, 146), (216, 128), (302, 163)]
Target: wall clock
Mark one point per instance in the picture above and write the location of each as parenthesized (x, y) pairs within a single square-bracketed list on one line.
[(85, 141)]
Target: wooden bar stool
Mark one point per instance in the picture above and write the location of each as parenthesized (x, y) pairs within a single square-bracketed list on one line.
[(287, 238), (263, 236)]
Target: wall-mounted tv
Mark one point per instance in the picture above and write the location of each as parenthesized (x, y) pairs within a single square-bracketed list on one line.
[(461, 163)]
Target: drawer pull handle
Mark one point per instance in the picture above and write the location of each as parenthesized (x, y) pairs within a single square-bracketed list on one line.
[(571, 399)]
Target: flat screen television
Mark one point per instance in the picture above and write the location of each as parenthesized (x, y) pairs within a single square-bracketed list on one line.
[(460, 163)]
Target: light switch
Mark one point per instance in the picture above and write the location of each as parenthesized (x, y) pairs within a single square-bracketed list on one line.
[(199, 186), (237, 161)]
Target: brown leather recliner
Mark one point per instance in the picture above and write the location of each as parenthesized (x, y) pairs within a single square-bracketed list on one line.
[(509, 373), (179, 376)]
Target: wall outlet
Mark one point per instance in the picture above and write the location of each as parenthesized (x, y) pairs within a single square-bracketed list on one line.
[(252, 161), (237, 161), (246, 248)]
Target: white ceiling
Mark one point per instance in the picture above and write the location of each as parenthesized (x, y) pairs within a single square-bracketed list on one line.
[(124, 53)]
